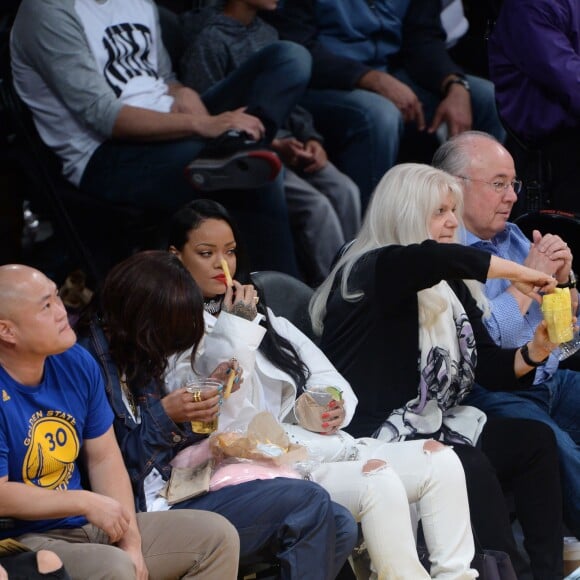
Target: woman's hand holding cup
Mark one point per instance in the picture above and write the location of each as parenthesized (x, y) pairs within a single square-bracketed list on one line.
[(333, 417), (183, 405), (320, 409)]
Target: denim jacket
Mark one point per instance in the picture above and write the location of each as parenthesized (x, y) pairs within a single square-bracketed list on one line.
[(156, 439)]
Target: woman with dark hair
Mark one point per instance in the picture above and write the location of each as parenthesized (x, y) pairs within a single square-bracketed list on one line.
[(375, 481), (275, 347), (150, 309)]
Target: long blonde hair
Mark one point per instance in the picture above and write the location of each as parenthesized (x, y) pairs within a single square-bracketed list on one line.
[(399, 213)]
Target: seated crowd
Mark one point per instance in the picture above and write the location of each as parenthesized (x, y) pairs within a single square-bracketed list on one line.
[(447, 392)]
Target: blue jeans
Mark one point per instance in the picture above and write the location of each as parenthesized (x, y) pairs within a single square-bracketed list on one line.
[(557, 404), (291, 519), (152, 174), (363, 129)]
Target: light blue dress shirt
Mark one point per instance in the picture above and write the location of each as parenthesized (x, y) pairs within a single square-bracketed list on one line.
[(506, 325)]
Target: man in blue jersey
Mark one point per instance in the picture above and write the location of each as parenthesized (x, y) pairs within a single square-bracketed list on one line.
[(53, 414)]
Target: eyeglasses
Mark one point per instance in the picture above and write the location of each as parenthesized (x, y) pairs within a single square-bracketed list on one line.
[(498, 186)]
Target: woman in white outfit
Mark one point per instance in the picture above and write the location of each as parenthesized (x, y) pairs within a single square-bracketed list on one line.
[(375, 480)]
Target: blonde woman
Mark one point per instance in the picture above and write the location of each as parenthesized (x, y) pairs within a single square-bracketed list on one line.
[(400, 316)]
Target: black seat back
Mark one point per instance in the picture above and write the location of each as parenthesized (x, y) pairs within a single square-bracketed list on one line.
[(286, 296)]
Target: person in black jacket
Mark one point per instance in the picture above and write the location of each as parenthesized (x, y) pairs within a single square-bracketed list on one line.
[(378, 71), (400, 318)]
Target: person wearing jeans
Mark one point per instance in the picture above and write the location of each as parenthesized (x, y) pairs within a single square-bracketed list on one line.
[(376, 73), (551, 395), (104, 98), (151, 300), (54, 411), (414, 349), (365, 143)]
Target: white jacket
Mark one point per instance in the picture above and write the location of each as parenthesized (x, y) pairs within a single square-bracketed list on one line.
[(264, 384)]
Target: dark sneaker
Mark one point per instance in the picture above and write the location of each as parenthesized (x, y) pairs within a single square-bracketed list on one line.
[(241, 170), (230, 142)]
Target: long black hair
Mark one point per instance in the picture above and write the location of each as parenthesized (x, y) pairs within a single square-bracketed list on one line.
[(276, 348)]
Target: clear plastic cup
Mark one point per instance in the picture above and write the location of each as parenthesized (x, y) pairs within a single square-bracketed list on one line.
[(323, 394), (569, 348), (197, 388), (310, 407)]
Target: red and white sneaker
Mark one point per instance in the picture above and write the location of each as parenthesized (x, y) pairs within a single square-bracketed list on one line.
[(234, 160), (245, 169)]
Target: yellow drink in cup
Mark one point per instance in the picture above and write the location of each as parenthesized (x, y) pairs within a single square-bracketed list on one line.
[(199, 389), (557, 311)]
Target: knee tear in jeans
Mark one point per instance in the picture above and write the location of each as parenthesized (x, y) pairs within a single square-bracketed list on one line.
[(431, 446), (373, 465)]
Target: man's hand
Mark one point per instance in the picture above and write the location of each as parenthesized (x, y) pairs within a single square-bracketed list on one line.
[(550, 254), (455, 111), (214, 125), (107, 514), (3, 574), (186, 100), (540, 347), (398, 93), (136, 555)]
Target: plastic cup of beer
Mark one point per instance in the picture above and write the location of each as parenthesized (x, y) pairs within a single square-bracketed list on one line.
[(199, 389)]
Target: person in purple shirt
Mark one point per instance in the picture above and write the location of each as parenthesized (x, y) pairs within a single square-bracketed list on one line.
[(487, 173), (534, 61)]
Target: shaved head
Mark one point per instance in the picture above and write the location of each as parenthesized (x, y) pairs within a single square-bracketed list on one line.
[(33, 320), (15, 280)]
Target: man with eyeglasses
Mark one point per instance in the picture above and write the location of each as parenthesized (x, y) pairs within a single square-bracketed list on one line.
[(487, 174)]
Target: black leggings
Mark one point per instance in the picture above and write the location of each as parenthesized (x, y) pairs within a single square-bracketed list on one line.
[(520, 456)]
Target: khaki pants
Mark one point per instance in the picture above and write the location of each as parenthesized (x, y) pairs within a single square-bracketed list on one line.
[(175, 544)]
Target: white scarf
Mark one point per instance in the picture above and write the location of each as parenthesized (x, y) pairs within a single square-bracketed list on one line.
[(447, 365)]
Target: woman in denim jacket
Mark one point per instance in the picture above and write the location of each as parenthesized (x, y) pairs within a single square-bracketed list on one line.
[(152, 308)]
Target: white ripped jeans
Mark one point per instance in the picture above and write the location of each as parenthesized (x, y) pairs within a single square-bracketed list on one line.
[(380, 499)]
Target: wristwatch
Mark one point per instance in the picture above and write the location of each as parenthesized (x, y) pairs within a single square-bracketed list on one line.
[(458, 79), (572, 280), (526, 356)]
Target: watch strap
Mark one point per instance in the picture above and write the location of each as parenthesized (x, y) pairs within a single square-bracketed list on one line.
[(526, 356), (571, 283), (456, 80)]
